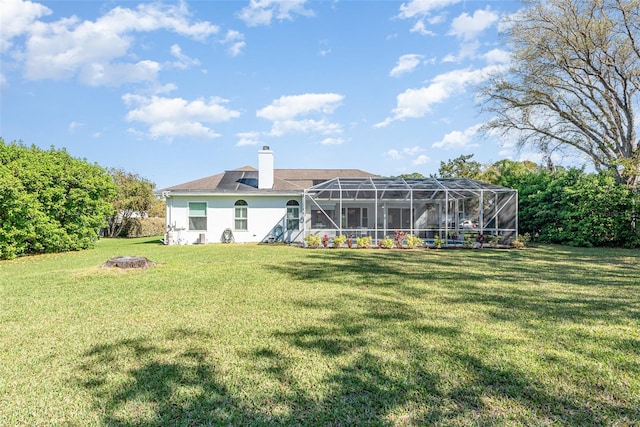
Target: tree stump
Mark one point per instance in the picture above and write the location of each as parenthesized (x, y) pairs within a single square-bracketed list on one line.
[(129, 262)]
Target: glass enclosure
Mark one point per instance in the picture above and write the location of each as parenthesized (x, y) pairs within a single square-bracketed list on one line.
[(448, 208)]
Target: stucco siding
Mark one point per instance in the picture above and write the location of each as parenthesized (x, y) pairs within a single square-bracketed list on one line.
[(263, 214)]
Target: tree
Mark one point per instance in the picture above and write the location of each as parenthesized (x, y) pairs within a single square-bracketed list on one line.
[(413, 175), (574, 82), (134, 197), (572, 207), (49, 201), (461, 167), (505, 172)]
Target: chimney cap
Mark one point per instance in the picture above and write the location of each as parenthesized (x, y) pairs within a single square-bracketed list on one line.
[(265, 147)]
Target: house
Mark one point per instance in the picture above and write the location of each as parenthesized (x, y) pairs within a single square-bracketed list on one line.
[(244, 205), (267, 205)]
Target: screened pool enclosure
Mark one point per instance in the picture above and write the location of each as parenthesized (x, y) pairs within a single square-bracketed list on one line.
[(448, 208)]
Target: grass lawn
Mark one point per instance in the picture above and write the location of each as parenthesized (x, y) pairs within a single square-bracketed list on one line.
[(268, 335)]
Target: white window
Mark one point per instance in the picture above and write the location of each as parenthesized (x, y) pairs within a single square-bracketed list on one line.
[(197, 216), (293, 215), (241, 215)]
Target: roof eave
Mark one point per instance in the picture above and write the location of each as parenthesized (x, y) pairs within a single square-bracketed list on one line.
[(261, 193)]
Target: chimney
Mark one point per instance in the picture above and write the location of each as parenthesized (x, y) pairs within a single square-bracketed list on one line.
[(265, 168)]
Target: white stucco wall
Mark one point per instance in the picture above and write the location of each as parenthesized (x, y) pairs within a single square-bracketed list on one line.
[(263, 213)]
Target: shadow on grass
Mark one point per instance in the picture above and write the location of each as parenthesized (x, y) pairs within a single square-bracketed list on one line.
[(513, 284), (154, 240), (138, 383), (380, 361)]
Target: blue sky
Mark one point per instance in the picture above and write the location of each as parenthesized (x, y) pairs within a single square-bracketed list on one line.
[(176, 91)]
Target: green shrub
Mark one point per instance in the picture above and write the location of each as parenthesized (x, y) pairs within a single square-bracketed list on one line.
[(363, 242), (413, 241), (575, 208), (469, 240), (313, 240), (387, 243), (495, 239), (339, 240), (521, 241), (50, 201), (143, 227)]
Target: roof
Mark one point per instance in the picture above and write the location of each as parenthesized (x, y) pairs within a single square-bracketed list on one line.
[(245, 180)]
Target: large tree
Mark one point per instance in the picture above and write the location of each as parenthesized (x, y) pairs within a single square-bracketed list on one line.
[(134, 198), (461, 167), (574, 81)]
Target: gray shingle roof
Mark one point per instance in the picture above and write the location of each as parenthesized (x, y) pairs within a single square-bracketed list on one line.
[(245, 179)]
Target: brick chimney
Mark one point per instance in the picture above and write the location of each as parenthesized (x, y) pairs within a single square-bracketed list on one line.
[(265, 168)]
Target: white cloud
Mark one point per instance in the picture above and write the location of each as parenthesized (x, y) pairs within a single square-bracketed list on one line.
[(421, 29), (506, 154), (469, 27), (418, 8), (93, 49), (459, 139), (497, 56), (75, 125), (247, 138), (158, 89), (332, 141), (97, 74), (324, 127), (422, 10), (288, 107), (450, 58), (437, 19), (183, 61), (394, 154), (421, 160), (287, 113), (415, 103), (412, 151), (16, 18), (235, 42), (406, 64), (236, 48), (262, 12), (324, 48), (467, 50), (405, 152), (171, 117)]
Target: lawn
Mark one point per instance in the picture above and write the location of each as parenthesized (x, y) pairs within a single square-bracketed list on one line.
[(276, 335)]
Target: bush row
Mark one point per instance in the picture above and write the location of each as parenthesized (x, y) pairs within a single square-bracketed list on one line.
[(576, 208), (50, 201), (143, 227)]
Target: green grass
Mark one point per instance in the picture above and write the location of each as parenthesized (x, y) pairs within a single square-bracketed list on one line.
[(272, 335)]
